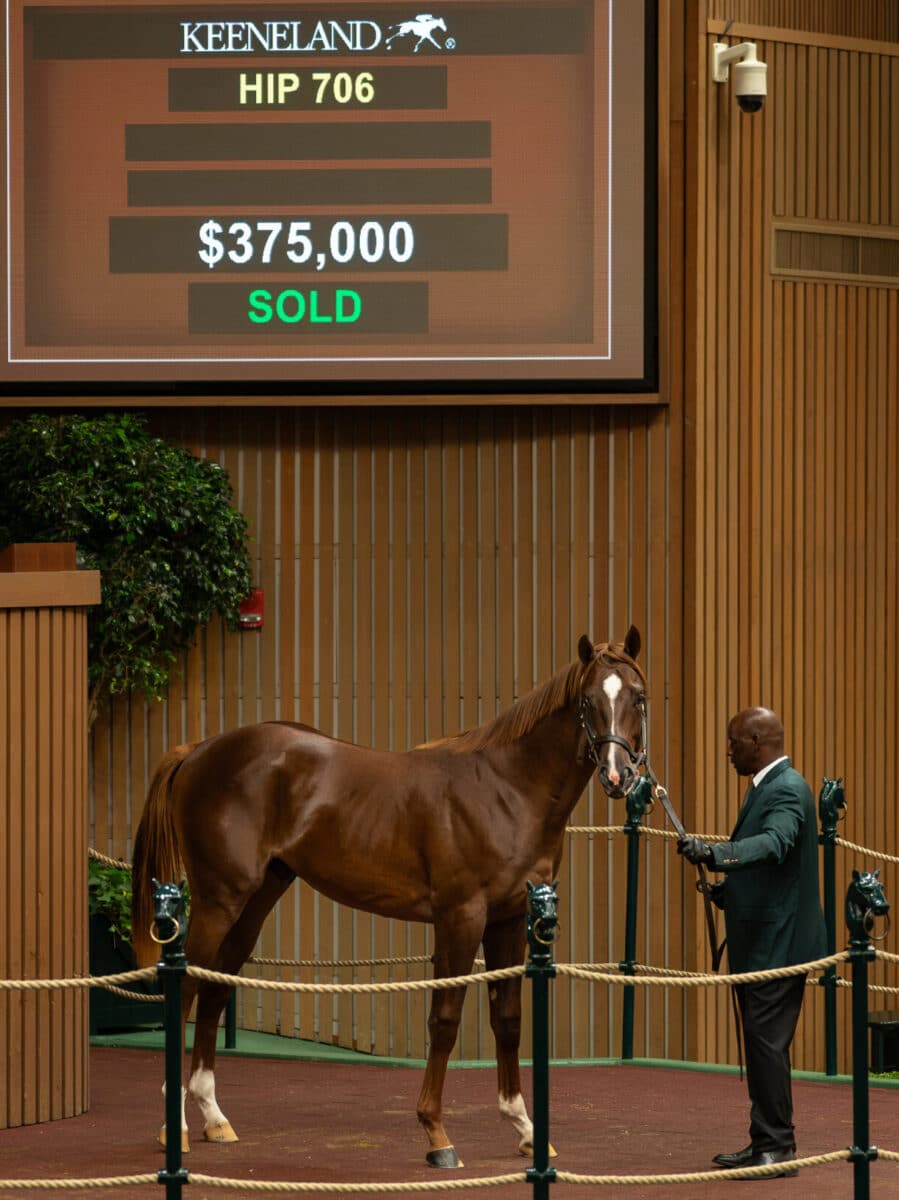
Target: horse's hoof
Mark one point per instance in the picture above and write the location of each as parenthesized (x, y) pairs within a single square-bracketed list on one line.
[(446, 1156), (185, 1140), (527, 1149), (220, 1133)]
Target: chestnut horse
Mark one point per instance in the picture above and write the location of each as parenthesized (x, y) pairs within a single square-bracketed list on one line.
[(450, 833)]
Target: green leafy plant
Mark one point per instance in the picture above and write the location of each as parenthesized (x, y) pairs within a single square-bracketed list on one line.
[(109, 896), (157, 522)]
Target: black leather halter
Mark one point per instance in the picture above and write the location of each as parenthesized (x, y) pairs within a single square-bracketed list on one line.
[(586, 706)]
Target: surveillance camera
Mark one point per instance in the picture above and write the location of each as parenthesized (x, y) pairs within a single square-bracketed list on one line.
[(750, 75)]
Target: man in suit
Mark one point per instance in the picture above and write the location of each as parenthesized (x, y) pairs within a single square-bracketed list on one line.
[(773, 918)]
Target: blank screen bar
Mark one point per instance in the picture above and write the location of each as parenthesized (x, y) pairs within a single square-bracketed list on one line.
[(377, 185), (298, 141)]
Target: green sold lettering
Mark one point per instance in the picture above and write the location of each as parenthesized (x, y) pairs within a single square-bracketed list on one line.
[(290, 307)]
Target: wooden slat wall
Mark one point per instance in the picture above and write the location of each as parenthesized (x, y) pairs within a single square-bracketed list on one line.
[(43, 869), (875, 19), (792, 474), (422, 569)]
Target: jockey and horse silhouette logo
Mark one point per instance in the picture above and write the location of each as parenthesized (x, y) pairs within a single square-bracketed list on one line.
[(421, 26)]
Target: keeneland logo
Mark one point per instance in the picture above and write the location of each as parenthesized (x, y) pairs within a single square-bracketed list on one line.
[(310, 37), (422, 27)]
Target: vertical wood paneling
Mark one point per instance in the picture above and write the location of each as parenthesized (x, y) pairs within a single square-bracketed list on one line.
[(43, 868), (874, 19), (444, 567), (793, 479)]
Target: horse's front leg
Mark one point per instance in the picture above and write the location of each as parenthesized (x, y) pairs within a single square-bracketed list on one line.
[(504, 945), (456, 939)]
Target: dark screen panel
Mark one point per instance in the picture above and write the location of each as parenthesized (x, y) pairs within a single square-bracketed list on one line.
[(464, 192)]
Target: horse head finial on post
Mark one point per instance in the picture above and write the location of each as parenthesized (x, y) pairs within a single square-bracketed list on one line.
[(543, 918), (831, 806), (865, 900), (168, 927)]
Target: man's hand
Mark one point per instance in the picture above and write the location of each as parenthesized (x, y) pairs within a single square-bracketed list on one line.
[(694, 849)]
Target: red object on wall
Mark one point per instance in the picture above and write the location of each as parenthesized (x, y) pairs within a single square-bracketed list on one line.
[(252, 610)]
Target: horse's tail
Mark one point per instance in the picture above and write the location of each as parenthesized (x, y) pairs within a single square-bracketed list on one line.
[(156, 854)]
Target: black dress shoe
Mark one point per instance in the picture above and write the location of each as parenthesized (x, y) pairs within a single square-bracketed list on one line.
[(739, 1158), (765, 1158)]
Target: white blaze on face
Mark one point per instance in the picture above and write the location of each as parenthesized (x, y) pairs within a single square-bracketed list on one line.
[(612, 686)]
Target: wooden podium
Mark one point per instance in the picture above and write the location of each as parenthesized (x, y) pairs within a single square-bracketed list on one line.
[(43, 829)]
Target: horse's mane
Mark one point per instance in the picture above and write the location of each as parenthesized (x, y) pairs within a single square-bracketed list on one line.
[(521, 717)]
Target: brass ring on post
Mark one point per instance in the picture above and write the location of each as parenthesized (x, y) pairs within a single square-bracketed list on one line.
[(536, 929), (869, 925), (164, 941)]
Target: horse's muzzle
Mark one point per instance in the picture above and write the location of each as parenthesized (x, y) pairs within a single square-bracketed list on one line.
[(619, 787)]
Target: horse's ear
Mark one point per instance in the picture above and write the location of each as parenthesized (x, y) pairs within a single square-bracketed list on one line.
[(585, 650), (855, 874), (632, 642), (877, 872), (530, 886)]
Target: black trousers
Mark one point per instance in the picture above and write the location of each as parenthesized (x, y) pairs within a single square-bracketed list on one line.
[(769, 1013)]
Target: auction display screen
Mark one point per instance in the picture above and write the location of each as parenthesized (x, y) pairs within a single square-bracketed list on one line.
[(325, 193)]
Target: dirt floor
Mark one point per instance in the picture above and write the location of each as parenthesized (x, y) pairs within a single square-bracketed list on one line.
[(326, 1122)]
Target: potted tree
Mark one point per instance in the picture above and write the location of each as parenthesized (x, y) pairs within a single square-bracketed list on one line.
[(157, 522), (159, 525), (109, 906)]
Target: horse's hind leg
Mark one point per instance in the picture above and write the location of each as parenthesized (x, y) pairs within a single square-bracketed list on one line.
[(504, 945), (234, 951)]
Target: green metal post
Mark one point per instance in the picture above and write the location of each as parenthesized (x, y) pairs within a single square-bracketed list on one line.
[(231, 1022), (169, 932), (831, 803), (637, 799), (542, 917), (864, 899)]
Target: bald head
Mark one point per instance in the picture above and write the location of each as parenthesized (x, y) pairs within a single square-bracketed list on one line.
[(755, 738)]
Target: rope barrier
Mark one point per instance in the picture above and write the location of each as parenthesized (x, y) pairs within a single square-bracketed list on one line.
[(818, 964), (409, 985), (445, 1185), (647, 977), (672, 834), (773, 1169), (864, 850), (111, 1181), (442, 1185), (107, 861), (81, 981), (117, 991), (345, 962)]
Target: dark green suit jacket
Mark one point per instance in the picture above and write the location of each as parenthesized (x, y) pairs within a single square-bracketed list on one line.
[(772, 909)]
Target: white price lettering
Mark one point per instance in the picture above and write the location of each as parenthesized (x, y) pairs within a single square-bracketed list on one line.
[(246, 243)]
